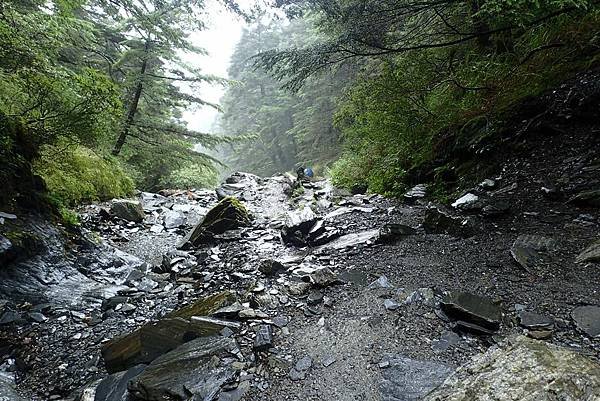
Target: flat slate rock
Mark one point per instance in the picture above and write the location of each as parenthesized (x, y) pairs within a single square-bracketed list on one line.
[(354, 239), (114, 387), (587, 319), (527, 250), (535, 321), (590, 254), (471, 308), (406, 379), (523, 369), (191, 371)]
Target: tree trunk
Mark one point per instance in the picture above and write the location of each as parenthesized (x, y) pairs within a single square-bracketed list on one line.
[(481, 27), (133, 106)]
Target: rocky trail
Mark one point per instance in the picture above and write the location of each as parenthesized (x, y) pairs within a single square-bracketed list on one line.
[(269, 290)]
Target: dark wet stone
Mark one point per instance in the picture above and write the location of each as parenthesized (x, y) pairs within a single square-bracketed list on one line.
[(473, 309), (37, 317), (590, 254), (191, 371), (9, 317), (111, 302), (314, 298), (495, 208), (587, 198), (406, 379), (440, 221), (264, 338), (527, 250), (323, 277), (227, 215), (587, 319), (270, 267), (301, 220), (235, 394), (114, 387), (359, 189), (535, 321), (154, 339), (127, 210), (230, 311), (392, 232), (469, 327)]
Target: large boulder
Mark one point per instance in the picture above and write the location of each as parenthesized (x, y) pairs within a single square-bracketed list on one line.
[(194, 370), (526, 370), (127, 210), (7, 389), (227, 215), (154, 339)]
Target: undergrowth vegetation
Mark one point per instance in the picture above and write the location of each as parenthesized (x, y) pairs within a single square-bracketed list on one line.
[(76, 175), (392, 121)]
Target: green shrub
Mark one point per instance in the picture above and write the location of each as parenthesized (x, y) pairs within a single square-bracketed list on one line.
[(395, 120), (76, 175)]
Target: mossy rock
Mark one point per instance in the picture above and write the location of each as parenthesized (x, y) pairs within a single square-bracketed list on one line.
[(205, 306), (228, 214), (18, 245)]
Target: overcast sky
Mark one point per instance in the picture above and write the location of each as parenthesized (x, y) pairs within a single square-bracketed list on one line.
[(223, 33)]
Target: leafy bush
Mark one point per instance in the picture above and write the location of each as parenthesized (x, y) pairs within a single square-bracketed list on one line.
[(79, 175), (192, 176), (392, 121)]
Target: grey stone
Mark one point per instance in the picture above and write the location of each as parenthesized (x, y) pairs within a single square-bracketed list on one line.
[(590, 254), (535, 321), (381, 282), (264, 338), (173, 219), (350, 240), (114, 387), (127, 210), (587, 319), (329, 360), (323, 277), (440, 221), (390, 304), (391, 232), (527, 249), (523, 369), (270, 267), (587, 198), (304, 363), (406, 379), (236, 394), (446, 340), (471, 308), (7, 389), (296, 375), (314, 298), (191, 371)]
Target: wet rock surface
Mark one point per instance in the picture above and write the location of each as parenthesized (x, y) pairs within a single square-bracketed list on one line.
[(376, 295)]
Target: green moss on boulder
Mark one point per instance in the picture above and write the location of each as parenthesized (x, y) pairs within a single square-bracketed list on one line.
[(227, 215)]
